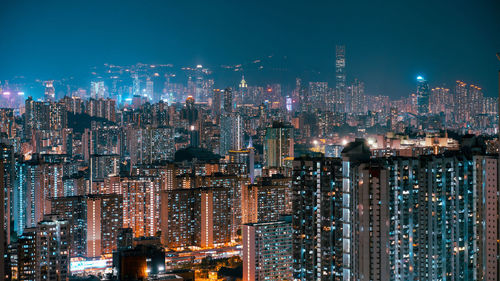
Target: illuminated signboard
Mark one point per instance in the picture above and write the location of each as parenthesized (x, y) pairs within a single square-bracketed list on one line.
[(76, 266)]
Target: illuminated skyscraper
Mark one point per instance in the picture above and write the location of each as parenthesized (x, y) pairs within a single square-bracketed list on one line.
[(318, 94), (97, 90), (149, 89), (266, 200), (422, 96), (52, 249), (50, 92), (420, 218), (356, 97), (317, 205), (228, 100), (267, 251), (26, 255), (216, 103), (200, 217), (278, 144), (231, 132), (340, 75), (440, 100), (243, 91), (136, 87), (141, 204)]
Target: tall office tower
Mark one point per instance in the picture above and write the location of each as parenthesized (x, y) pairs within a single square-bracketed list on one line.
[(136, 86), (340, 75), (50, 92), (278, 144), (146, 146), (97, 90), (198, 83), (216, 103), (52, 249), (243, 91), (266, 200), (317, 233), (228, 100), (356, 97), (422, 96), (149, 89), (26, 255), (231, 133), (267, 251), (440, 100)]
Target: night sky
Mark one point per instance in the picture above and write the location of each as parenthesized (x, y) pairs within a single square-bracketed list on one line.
[(388, 43)]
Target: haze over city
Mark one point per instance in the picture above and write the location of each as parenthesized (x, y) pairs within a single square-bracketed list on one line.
[(389, 43)]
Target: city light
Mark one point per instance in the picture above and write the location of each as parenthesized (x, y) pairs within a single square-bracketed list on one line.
[(302, 149)]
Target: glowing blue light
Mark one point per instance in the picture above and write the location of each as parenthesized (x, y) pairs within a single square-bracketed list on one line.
[(420, 78)]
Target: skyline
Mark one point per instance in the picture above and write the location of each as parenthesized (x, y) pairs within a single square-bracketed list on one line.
[(376, 49)]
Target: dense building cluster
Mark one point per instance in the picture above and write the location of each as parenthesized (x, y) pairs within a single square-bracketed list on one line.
[(141, 174)]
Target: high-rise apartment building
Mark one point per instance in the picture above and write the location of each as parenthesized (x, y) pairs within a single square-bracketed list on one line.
[(52, 249), (317, 206), (266, 200), (267, 250), (201, 217), (26, 255), (430, 217)]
